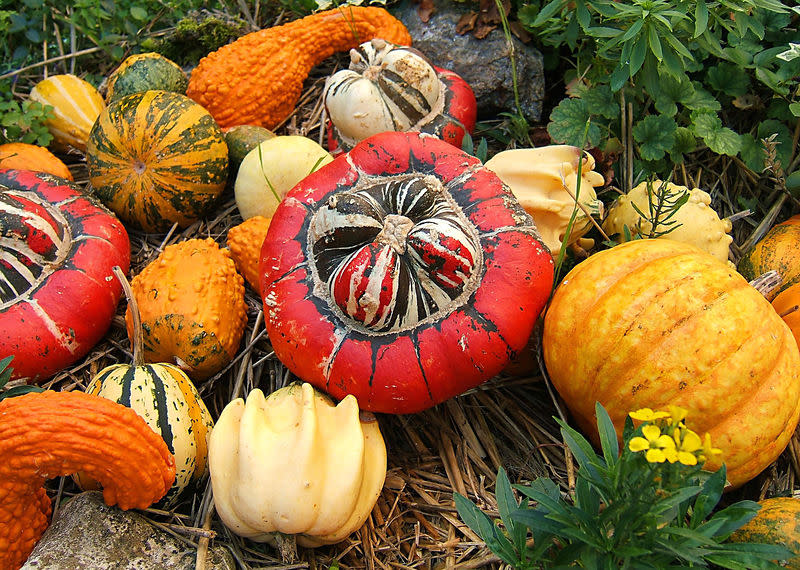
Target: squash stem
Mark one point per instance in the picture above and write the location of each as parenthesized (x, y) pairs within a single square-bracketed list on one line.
[(138, 336)]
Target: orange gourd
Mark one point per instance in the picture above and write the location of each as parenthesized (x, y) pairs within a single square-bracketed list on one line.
[(777, 250), (655, 322), (245, 241), (24, 156), (50, 434), (777, 522), (258, 79), (192, 307), (787, 305)]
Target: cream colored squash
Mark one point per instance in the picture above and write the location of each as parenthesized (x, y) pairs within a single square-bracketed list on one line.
[(295, 463), (273, 168), (545, 181)]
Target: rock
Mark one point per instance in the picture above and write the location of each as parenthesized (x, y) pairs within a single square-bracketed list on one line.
[(484, 63), (87, 533)]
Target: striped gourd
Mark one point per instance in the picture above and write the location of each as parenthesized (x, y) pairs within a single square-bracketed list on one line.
[(143, 72), (777, 250), (395, 88), (164, 396), (156, 158), (76, 106)]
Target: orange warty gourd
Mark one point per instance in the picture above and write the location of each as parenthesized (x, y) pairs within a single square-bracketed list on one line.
[(24, 156), (656, 322), (258, 79), (191, 302), (245, 241), (51, 434)]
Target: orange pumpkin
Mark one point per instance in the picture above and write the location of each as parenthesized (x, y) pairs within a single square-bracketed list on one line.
[(656, 322), (24, 156)]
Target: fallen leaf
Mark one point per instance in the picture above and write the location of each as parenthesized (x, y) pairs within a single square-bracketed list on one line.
[(466, 23), (425, 10)]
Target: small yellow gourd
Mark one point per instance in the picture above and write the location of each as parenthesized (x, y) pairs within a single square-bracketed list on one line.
[(76, 105), (695, 222), (295, 463), (545, 181)]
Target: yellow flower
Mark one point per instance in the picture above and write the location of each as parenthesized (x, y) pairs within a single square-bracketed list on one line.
[(658, 447), (687, 444), (708, 451), (648, 415), (677, 413)]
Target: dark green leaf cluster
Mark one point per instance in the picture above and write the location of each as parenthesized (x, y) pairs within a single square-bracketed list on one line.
[(114, 26), (625, 513), (694, 75)]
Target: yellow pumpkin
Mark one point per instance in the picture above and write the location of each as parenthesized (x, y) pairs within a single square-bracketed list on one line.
[(297, 464), (76, 105), (655, 322)]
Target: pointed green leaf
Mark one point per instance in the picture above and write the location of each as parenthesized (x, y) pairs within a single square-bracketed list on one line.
[(608, 435), (700, 17)]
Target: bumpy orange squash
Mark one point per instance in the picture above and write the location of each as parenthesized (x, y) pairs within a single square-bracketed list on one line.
[(191, 302), (157, 158), (779, 250), (778, 522), (656, 322)]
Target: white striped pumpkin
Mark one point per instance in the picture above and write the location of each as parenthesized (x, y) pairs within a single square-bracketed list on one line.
[(76, 106), (165, 397)]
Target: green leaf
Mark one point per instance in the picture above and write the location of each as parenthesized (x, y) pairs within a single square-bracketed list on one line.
[(729, 79), (483, 526), (568, 124), (701, 100), (795, 109), (735, 516), (581, 449), (655, 135), (618, 77), (752, 153), (790, 54), (672, 90), (654, 42), (638, 54), (608, 435), (708, 497), (700, 17), (506, 506), (601, 101), (547, 12), (138, 13)]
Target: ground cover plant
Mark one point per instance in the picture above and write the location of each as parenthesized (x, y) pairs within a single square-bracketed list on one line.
[(666, 94)]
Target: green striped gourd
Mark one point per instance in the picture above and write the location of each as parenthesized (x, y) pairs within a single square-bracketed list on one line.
[(145, 72), (165, 397), (156, 159), (76, 106), (777, 250)]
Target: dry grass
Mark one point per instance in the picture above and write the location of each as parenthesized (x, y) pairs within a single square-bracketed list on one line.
[(457, 446)]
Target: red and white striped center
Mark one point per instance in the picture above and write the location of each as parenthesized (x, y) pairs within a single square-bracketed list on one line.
[(394, 253), (34, 237)]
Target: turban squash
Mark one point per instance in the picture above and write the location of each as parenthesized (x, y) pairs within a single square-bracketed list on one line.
[(403, 273), (655, 322), (395, 88), (58, 293)]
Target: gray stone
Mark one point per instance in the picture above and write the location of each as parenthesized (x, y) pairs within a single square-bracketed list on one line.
[(484, 63), (88, 534)]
